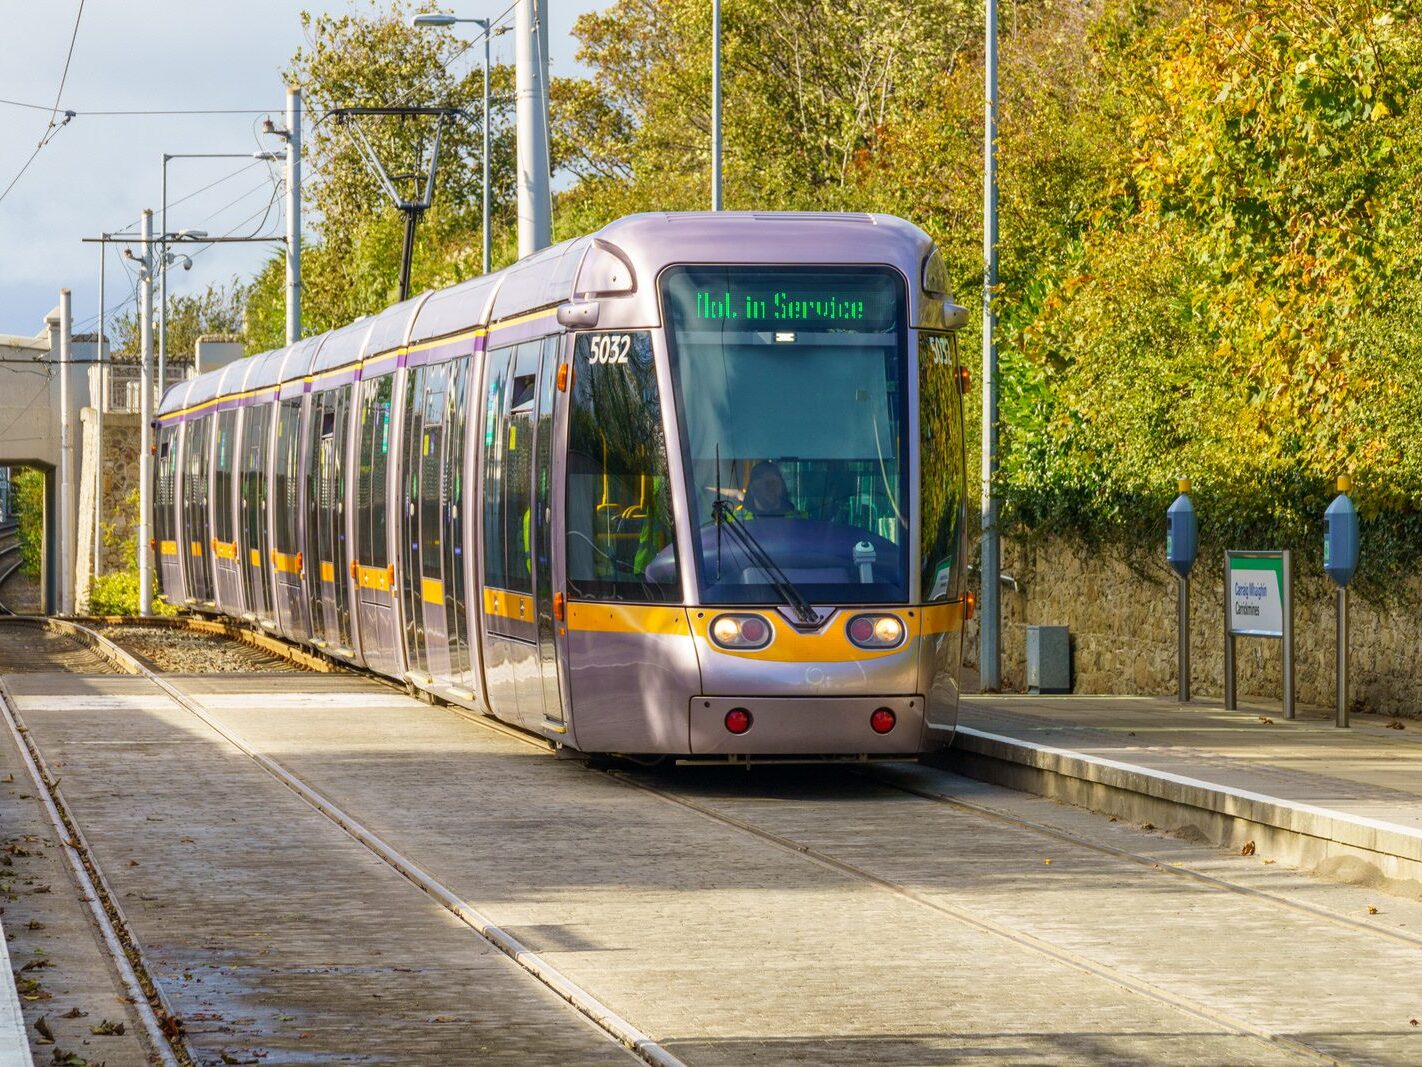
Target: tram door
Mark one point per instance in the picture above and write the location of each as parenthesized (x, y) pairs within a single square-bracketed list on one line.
[(433, 587), (543, 496), (288, 560), (520, 653), (375, 595), (165, 508), (252, 475), (326, 534), (193, 544), (226, 570)]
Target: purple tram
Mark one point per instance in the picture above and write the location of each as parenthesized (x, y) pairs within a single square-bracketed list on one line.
[(690, 486)]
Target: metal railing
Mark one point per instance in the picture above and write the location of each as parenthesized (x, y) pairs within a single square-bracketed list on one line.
[(121, 386)]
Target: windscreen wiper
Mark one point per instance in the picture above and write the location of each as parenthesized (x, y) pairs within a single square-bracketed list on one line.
[(726, 520)]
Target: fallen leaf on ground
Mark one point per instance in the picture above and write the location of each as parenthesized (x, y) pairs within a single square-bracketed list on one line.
[(1395, 725), (68, 1059), (107, 1029), (34, 924), (42, 1028), (1047, 861), (1266, 720), (1372, 909), (1148, 826), (1268, 861), (74, 1013), (1248, 849), (35, 965)]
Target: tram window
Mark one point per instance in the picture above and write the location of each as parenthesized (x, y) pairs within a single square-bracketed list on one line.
[(619, 517), (222, 477), (287, 467), (791, 395), (374, 463), (167, 469), (508, 467), (941, 466)]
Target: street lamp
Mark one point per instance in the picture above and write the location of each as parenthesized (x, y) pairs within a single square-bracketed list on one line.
[(165, 258), (421, 22)]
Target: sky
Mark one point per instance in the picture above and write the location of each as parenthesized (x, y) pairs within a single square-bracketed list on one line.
[(98, 173)]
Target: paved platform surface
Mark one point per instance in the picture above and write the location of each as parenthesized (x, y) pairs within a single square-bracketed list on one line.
[(825, 915), (1328, 797)]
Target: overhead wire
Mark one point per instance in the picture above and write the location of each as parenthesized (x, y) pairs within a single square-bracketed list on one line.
[(64, 77), (54, 127)]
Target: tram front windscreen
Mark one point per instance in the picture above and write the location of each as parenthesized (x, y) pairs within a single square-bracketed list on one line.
[(791, 398)]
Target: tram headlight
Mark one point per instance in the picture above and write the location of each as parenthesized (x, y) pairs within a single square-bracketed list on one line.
[(740, 631), (875, 631)]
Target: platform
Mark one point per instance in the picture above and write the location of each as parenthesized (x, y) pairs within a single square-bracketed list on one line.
[(1344, 802)]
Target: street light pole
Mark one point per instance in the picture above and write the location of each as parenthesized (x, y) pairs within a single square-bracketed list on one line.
[(421, 22), (715, 105), (293, 214), (488, 236), (990, 621)]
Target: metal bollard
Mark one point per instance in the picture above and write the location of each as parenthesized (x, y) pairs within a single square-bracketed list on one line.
[(1340, 560), (1182, 543)]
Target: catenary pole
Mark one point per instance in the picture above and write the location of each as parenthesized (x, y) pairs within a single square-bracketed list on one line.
[(715, 105), (162, 264), (990, 619), (293, 214), (145, 419), (535, 210)]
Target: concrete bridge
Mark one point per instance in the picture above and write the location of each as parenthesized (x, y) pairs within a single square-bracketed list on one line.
[(87, 517)]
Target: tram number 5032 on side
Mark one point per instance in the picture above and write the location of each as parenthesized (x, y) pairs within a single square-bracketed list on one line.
[(609, 347)]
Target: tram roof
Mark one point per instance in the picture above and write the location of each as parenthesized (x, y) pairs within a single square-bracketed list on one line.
[(650, 241)]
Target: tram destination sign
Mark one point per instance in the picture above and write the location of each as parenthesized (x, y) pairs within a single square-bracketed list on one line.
[(842, 300), (1255, 588)]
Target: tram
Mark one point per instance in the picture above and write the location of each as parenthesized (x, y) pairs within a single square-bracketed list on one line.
[(690, 486)]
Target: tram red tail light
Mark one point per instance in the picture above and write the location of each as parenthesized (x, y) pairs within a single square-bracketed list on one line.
[(875, 631), (738, 720), (740, 631), (882, 721)]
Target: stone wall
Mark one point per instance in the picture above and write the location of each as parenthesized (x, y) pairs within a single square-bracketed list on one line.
[(117, 460), (1123, 631)]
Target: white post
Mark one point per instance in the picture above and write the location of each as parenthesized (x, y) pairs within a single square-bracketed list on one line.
[(990, 614), (535, 206), (145, 417), (66, 459), (293, 214), (715, 105), (99, 403)]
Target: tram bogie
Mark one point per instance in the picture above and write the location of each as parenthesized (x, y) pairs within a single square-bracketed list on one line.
[(691, 486)]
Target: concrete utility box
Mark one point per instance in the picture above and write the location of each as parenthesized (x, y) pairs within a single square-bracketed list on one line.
[(1048, 659)]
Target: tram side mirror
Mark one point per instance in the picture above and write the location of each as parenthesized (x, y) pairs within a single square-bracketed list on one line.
[(578, 314), (1340, 536), (1182, 536)]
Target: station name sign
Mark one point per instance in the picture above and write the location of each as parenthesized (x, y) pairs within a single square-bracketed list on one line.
[(1254, 593)]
